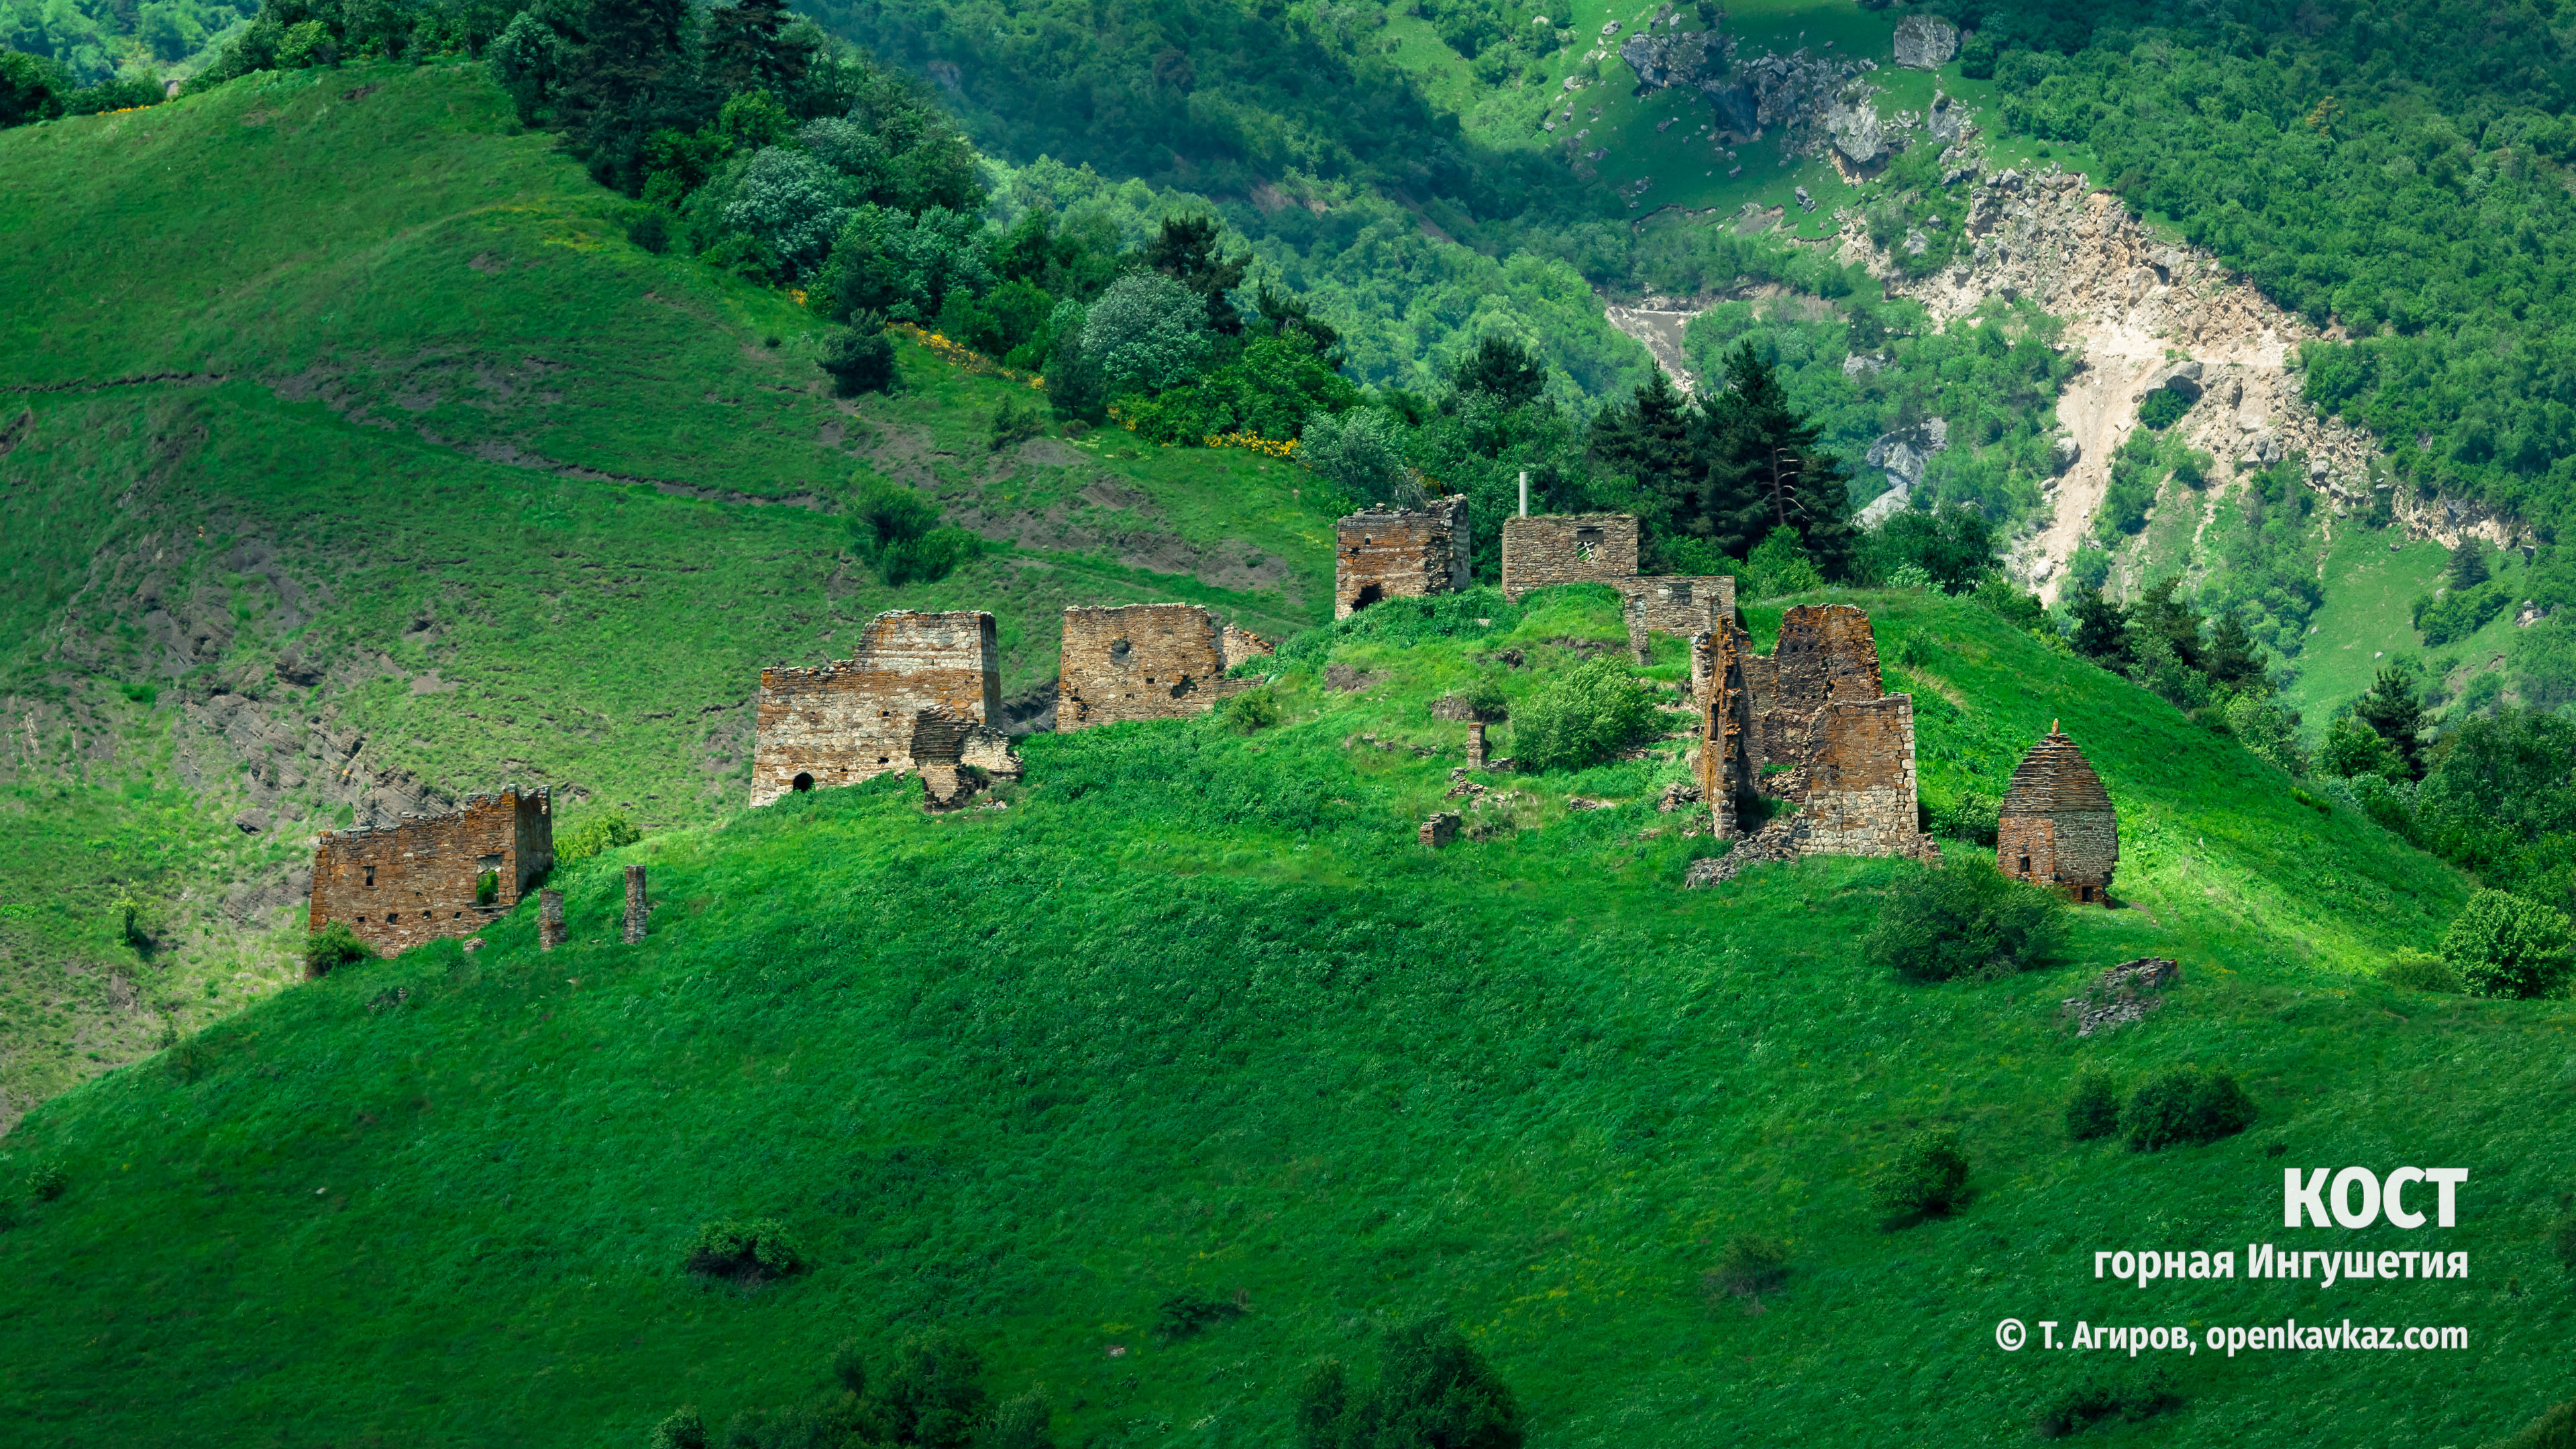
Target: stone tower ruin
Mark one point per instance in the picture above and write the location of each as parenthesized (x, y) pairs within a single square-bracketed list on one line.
[(902, 695), (1675, 606), (1807, 726), (1146, 661), (2057, 827), (1578, 548), (1399, 554), (433, 876)]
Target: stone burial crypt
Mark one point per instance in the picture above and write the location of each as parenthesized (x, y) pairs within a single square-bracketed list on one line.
[(433, 876)]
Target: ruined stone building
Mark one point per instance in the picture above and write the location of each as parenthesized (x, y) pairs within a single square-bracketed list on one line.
[(919, 686), (1807, 725), (1680, 607), (433, 876), (1399, 554), (1146, 661), (1580, 548), (2057, 827)]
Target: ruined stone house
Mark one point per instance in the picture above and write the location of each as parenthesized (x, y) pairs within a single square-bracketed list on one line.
[(1400, 554), (433, 876), (919, 687), (1579, 548), (2056, 826), (1807, 725), (1147, 661), (1679, 607)]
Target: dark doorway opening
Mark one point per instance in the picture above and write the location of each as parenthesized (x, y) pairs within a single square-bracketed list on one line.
[(1368, 596), (801, 783)]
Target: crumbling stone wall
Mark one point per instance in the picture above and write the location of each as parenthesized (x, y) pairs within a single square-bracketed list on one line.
[(1146, 661), (1808, 726), (1681, 607), (841, 723), (2057, 827), (1574, 548), (398, 887), (1860, 787), (1399, 554)]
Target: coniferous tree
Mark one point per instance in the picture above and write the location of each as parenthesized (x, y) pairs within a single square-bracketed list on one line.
[(2168, 617), (2391, 710), (745, 49), (1503, 370), (2101, 629), (1191, 251), (2230, 661), (2468, 565), (1652, 439), (1764, 466), (634, 67)]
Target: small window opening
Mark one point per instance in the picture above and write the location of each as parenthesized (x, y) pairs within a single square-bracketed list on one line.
[(2025, 865), (1678, 593), (371, 877), (801, 783), (1119, 649), (487, 888)]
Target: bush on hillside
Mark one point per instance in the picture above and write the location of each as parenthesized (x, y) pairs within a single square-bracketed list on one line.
[(1966, 919), (2555, 1429), (1250, 712), (748, 1251), (898, 533), (2082, 1405), (2094, 1110), (46, 1181), (1021, 1423), (2186, 1107), (333, 947), (1192, 1311), (2162, 408), (1583, 717), (2503, 945), (1927, 1179), (1970, 815), (1013, 424), (860, 359), (1432, 1388), (1749, 1266), (934, 1395), (596, 835), (2421, 971), (682, 1430)]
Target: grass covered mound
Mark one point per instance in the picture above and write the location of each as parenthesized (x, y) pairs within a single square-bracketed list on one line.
[(1194, 1018), (343, 415)]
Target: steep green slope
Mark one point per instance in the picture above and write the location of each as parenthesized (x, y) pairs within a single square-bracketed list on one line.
[(1194, 1010), (355, 461)]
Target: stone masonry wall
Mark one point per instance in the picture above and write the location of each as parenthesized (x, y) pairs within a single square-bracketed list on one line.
[(1399, 555), (2056, 825), (1682, 607), (1578, 548), (415, 881), (1144, 661), (846, 722), (1860, 796), (1726, 764)]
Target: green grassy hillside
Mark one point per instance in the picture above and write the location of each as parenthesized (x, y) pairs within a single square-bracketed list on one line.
[(365, 464), (1195, 1011)]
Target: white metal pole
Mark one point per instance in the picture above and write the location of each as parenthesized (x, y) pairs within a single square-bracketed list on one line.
[(1524, 493)]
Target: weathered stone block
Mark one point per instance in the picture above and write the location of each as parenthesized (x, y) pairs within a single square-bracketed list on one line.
[(843, 723), (1146, 661), (1440, 829), (418, 881), (1400, 554), (637, 907), (1581, 548)]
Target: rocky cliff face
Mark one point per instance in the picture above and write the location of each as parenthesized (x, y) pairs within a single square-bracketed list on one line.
[(2135, 308)]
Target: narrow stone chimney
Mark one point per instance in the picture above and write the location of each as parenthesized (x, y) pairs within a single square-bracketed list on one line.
[(550, 921), (635, 905)]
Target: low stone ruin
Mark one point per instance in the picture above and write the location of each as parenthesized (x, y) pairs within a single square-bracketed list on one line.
[(2123, 994), (1147, 661), (914, 680), (424, 878), (1673, 606), (1584, 548), (1400, 554)]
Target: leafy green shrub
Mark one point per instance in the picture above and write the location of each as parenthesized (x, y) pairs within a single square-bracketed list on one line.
[(1977, 56), (1432, 1388), (1964, 919), (2460, 613), (749, 1251), (2186, 1107), (1192, 1311), (596, 835), (682, 1430), (2083, 1405), (1014, 424), (47, 1180), (2162, 408), (487, 888), (859, 361), (333, 947), (1750, 1265), (1021, 1423), (1969, 815), (2421, 971), (898, 533), (2555, 1429), (933, 1396), (31, 88), (2503, 945), (1583, 717), (2094, 1110), (1251, 712), (1779, 565), (650, 229), (1927, 1179)]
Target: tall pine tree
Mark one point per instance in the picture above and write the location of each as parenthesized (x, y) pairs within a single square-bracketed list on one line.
[(634, 69), (745, 49), (2391, 709), (1764, 467)]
